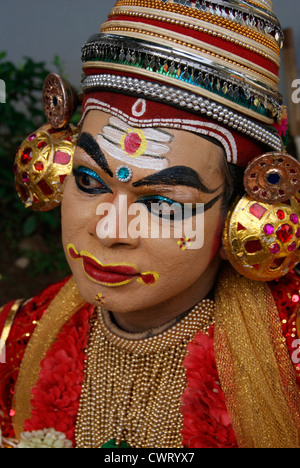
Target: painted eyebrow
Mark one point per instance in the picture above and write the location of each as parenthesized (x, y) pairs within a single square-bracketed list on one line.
[(178, 175), (91, 147)]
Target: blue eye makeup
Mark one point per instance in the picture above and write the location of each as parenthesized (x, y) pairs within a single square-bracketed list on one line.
[(169, 209), (89, 181), (163, 207)]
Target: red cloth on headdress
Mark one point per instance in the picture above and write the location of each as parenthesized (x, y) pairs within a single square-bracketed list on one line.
[(240, 149)]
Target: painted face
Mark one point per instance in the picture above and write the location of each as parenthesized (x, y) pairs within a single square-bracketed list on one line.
[(114, 226)]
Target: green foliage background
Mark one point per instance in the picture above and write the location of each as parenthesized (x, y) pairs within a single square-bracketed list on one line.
[(19, 116)]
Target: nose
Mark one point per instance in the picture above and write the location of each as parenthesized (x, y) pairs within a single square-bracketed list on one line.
[(112, 227)]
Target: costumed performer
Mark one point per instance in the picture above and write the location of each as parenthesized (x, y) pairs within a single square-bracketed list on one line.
[(180, 222)]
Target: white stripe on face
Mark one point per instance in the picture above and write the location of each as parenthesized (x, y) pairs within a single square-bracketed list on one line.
[(143, 162), (141, 148)]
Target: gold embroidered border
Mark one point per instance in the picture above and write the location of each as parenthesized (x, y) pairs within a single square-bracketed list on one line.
[(67, 302), (9, 322), (254, 365)]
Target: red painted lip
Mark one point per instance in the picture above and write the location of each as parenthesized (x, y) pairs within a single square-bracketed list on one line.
[(110, 274), (114, 275)]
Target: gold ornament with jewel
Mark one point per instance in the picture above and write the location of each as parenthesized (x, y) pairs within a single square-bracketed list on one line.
[(45, 158), (43, 161), (261, 238)]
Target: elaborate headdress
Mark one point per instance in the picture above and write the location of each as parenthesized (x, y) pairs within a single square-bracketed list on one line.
[(210, 67)]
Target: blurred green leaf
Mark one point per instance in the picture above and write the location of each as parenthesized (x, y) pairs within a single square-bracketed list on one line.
[(29, 226)]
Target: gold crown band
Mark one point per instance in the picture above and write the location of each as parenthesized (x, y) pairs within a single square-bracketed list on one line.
[(201, 26), (117, 27), (208, 17)]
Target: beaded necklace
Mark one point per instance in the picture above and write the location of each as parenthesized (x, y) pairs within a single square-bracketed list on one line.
[(133, 387)]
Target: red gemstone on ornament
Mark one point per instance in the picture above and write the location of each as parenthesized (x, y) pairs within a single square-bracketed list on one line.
[(285, 233), (269, 229), (294, 218), (295, 298), (277, 263), (25, 177), (292, 247), (275, 248), (23, 192), (280, 214), (26, 156), (253, 246), (257, 210), (45, 188), (62, 158), (42, 145), (240, 227), (39, 166)]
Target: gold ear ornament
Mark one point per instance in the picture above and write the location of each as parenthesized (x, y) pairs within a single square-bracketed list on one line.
[(45, 158), (261, 238)]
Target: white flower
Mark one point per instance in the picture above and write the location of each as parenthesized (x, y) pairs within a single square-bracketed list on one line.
[(7, 443), (46, 438)]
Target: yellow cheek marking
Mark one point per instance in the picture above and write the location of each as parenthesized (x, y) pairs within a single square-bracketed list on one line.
[(184, 244), (149, 278), (100, 298), (72, 247)]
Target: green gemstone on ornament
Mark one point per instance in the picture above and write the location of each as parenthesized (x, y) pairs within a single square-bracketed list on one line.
[(112, 444)]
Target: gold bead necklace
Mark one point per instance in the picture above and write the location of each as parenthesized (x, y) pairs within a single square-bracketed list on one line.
[(133, 386)]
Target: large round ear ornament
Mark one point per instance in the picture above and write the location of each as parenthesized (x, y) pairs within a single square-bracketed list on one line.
[(262, 233), (45, 158), (60, 101)]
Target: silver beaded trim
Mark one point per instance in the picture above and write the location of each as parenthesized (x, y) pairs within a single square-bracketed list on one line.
[(248, 92), (185, 100)]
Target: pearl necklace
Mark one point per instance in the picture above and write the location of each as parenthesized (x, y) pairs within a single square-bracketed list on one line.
[(133, 387)]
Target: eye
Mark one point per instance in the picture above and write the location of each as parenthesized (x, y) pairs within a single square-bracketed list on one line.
[(163, 207), (89, 181)]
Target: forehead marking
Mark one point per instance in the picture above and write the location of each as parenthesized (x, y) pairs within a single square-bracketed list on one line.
[(141, 148)]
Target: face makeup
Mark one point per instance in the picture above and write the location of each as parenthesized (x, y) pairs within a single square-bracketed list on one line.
[(120, 266), (140, 148), (111, 275)]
